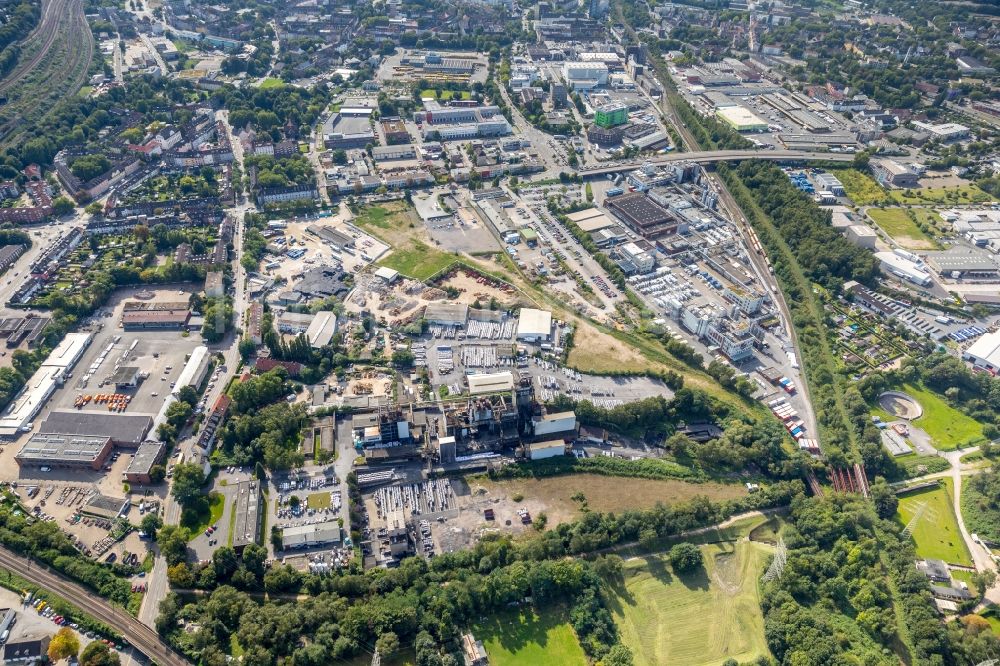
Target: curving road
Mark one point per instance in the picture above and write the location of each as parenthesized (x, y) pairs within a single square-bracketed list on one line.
[(142, 638)]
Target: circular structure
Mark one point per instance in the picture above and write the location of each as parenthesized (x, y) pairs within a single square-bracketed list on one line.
[(144, 295), (900, 404)]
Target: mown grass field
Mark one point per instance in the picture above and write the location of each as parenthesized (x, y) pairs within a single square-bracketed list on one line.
[(897, 223), (948, 427), (936, 532), (699, 619), (271, 82), (418, 261), (522, 636)]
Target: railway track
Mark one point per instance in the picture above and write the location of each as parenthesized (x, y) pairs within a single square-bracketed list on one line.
[(141, 637), (52, 13), (55, 72)]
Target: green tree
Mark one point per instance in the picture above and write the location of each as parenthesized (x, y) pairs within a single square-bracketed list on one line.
[(150, 524), (884, 498), (188, 481), (188, 394), (685, 557), (62, 206), (98, 654), (172, 540), (387, 644), (157, 473)]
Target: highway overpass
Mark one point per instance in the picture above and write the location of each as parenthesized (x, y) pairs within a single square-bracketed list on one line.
[(713, 156)]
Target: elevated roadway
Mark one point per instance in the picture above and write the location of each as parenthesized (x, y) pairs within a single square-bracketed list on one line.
[(713, 156), (141, 637)]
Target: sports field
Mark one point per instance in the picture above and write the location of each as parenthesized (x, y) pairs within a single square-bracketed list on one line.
[(935, 531), (906, 230), (701, 619), (522, 636)]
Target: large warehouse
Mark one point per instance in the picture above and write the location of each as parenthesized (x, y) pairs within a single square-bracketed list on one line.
[(138, 316), (447, 314), (41, 385), (741, 119), (534, 325), (985, 352), (307, 536), (494, 382), (643, 215), (66, 451), (125, 430), (322, 329), (194, 370)]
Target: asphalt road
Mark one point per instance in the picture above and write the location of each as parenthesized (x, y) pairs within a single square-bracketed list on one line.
[(157, 584), (144, 639)]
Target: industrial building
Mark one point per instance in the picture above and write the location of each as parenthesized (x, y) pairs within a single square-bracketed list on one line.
[(125, 430), (550, 426), (138, 316), (127, 376), (534, 325), (249, 512), (447, 314), (214, 285), (741, 119), (611, 114), (945, 131), (546, 449), (892, 173), (65, 451), (633, 259), (42, 384), (322, 329), (308, 536), (349, 128), (905, 265), (985, 352), (829, 182), (391, 427), (585, 75), (643, 215), (194, 370), (963, 264), (331, 235), (148, 455), (495, 382), (68, 351), (861, 235)]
